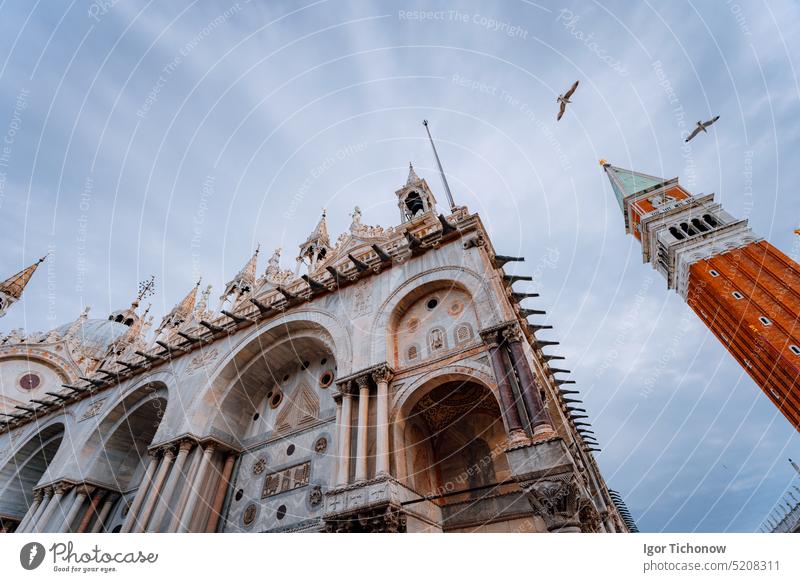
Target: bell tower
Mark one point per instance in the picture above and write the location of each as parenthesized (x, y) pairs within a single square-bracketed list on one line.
[(415, 198), (744, 289)]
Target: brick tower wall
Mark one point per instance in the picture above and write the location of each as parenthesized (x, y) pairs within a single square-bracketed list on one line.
[(769, 283)]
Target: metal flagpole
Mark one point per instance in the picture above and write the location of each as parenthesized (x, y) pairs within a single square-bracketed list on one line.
[(441, 171)]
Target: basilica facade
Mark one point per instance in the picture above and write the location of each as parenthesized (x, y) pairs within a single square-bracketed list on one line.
[(391, 382)]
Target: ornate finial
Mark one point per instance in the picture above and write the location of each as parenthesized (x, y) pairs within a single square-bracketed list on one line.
[(603, 163), (146, 288), (412, 175)]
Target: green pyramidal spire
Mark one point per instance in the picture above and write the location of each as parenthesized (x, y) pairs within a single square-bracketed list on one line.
[(627, 182)]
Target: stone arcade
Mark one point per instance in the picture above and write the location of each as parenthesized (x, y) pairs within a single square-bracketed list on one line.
[(395, 386)]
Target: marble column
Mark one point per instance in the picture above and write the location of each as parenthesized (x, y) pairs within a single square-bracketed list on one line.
[(55, 502), (175, 474), (81, 493), (37, 501), (344, 436), (47, 494), (141, 493), (222, 488), (337, 399), (508, 400), (90, 511), (540, 420), (382, 378), (197, 457), (154, 494), (197, 487), (363, 424), (101, 519)]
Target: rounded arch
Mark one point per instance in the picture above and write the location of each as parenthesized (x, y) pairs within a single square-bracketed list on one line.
[(449, 435), (116, 450), (416, 287), (21, 473), (265, 366)]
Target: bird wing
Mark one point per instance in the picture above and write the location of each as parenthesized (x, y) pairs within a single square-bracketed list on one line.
[(694, 133), (561, 112), (710, 121), (569, 93)]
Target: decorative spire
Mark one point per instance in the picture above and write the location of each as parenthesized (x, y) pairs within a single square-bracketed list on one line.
[(627, 182), (244, 280), (412, 175), (320, 234), (182, 311), (11, 289), (186, 306), (316, 246)]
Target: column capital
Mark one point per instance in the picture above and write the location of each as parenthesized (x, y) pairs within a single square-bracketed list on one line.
[(489, 337), (511, 333), (362, 381), (169, 450), (62, 487), (382, 374), (345, 388), (85, 489), (185, 445), (38, 494), (209, 447)]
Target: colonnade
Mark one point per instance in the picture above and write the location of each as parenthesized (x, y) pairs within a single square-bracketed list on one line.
[(353, 392), (182, 480)]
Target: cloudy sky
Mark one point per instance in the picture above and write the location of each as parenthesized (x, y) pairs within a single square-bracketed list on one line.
[(144, 138)]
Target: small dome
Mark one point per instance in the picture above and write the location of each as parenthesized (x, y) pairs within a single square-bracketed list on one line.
[(96, 335)]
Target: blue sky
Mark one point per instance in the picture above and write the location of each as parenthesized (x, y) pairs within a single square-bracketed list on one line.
[(171, 138)]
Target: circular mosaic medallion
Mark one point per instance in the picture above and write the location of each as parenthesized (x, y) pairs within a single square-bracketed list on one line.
[(30, 381), (321, 445), (456, 307)]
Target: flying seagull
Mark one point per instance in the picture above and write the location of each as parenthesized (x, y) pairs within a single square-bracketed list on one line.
[(701, 127), (564, 99)]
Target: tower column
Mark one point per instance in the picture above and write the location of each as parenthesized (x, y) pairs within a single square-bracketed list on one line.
[(222, 488), (101, 519), (37, 501), (344, 435), (163, 500), (197, 456), (90, 511), (196, 486), (141, 493), (81, 493), (508, 399), (154, 493), (540, 420), (382, 460), (55, 501), (363, 425)]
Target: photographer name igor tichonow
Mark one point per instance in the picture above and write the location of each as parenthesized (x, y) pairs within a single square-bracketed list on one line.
[(65, 558)]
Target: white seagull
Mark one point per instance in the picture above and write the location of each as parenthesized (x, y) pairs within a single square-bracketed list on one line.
[(701, 127), (564, 99)]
